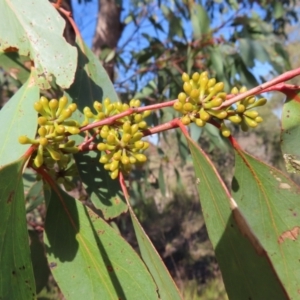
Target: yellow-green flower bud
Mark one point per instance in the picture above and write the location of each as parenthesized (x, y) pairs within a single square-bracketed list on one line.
[(204, 115), (188, 107), (235, 119), (42, 131), (211, 82), (251, 114), (134, 128), (240, 108), (101, 147), (114, 174), (258, 119), (225, 130), (54, 154), (43, 141), (185, 120), (143, 124), (127, 127), (114, 165), (178, 106), (200, 122), (140, 157), (185, 77), (111, 139), (250, 122), (182, 97), (187, 87), (117, 155), (218, 87), (195, 94), (39, 159), (72, 129), (126, 138)]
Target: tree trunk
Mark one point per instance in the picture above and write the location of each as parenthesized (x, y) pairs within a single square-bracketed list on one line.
[(108, 30)]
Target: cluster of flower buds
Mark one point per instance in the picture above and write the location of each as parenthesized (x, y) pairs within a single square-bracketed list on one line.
[(54, 148), (201, 101), (122, 144)]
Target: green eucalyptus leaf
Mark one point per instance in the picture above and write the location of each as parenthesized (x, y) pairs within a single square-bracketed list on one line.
[(167, 289), (245, 265), (17, 118), (270, 202), (16, 273), (200, 20), (290, 132), (36, 30), (88, 258)]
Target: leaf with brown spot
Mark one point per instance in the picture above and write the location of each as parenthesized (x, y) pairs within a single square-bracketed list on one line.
[(242, 257), (38, 33), (269, 200), (289, 234)]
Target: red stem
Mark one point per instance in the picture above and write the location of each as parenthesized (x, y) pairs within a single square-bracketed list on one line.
[(112, 119), (265, 87), (68, 15)]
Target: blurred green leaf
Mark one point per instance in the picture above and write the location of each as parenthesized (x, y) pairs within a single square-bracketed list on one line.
[(195, 131), (18, 117), (290, 132), (270, 202), (88, 258), (245, 266), (156, 25), (251, 50), (278, 9), (15, 65), (216, 139), (35, 196), (200, 20), (218, 65), (29, 178), (167, 289), (245, 76), (175, 27), (283, 54), (16, 274), (25, 28)]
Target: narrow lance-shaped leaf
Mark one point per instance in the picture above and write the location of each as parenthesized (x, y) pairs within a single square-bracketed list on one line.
[(88, 258), (167, 289), (290, 123), (244, 263), (18, 117), (200, 20), (270, 202), (16, 274), (25, 28)]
